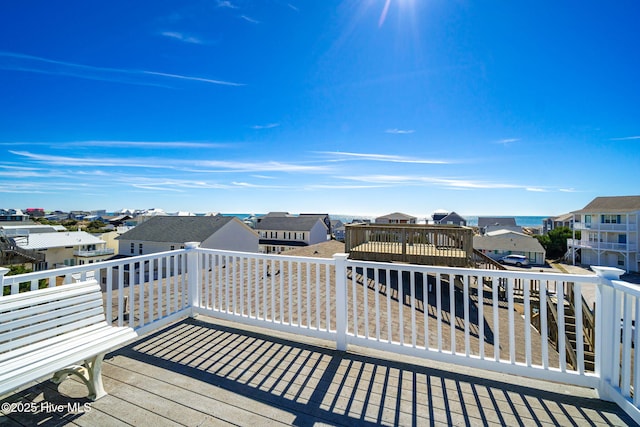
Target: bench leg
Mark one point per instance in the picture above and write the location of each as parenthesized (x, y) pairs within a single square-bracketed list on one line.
[(90, 373)]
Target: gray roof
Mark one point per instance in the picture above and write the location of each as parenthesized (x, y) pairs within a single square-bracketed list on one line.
[(396, 215), (177, 229), (612, 204), (509, 241), (484, 221), (289, 223), (452, 217)]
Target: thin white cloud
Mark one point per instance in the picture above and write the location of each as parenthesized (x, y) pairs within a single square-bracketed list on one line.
[(626, 138), (267, 126), (537, 190), (269, 166), (248, 19), (196, 79), (508, 141), (182, 37), (400, 131), (34, 64), (454, 183), (95, 161), (145, 144), (342, 155), (226, 4), (293, 7)]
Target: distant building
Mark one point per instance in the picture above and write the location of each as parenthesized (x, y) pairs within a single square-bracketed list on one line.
[(609, 233), (554, 222), (165, 233), (282, 233), (487, 224), (396, 218), (35, 212), (61, 249), (448, 218), (499, 243), (13, 215)]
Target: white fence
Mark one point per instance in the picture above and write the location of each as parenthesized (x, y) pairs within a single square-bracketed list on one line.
[(526, 323)]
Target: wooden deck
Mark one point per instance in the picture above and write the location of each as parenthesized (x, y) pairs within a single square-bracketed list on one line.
[(207, 372)]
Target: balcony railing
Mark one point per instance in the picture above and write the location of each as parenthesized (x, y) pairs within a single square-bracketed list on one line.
[(94, 252), (603, 227), (605, 246), (471, 317)]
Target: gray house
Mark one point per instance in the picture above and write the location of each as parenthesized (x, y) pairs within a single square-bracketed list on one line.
[(451, 218), (165, 233)]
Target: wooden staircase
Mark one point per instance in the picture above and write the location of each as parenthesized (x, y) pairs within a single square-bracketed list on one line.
[(570, 335)]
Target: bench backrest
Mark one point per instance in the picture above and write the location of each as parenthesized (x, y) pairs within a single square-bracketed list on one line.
[(44, 314)]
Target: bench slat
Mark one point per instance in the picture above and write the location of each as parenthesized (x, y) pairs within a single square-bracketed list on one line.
[(46, 334), (34, 357), (25, 374), (69, 336), (50, 327), (46, 330), (26, 299), (29, 318)]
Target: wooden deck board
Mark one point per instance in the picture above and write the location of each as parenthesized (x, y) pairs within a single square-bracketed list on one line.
[(210, 372)]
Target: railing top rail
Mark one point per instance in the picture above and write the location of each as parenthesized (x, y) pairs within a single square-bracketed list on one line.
[(561, 277), (626, 287), (36, 275), (448, 227), (256, 255)]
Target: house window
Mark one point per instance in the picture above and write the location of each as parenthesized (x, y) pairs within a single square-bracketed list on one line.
[(173, 247), (622, 238), (140, 248), (621, 260), (133, 248), (610, 219)]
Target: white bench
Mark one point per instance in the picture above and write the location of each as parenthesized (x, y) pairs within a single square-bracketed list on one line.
[(60, 330)]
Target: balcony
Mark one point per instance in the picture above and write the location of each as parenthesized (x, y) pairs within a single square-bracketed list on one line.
[(604, 227), (94, 252), (298, 340), (602, 246)]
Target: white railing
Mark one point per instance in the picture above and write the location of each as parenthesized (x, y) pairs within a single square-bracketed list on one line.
[(612, 246), (595, 226), (524, 323), (94, 252)]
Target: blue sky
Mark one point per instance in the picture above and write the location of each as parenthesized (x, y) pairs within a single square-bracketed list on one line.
[(347, 107)]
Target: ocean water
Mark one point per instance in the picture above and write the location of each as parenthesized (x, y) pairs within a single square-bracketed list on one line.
[(472, 220)]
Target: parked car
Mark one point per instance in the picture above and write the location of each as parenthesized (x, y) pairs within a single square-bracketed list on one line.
[(517, 260)]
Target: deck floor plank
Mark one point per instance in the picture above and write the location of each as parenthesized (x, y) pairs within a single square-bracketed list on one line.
[(210, 372)]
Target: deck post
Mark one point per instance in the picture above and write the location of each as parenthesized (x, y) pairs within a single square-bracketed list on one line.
[(605, 327), (193, 274), (3, 271), (341, 300)]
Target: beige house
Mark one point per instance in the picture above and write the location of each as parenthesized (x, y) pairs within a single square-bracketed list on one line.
[(609, 233), (396, 218)]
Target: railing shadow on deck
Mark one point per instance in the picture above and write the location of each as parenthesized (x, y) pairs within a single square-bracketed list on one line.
[(321, 384)]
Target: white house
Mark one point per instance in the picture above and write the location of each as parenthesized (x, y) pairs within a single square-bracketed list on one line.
[(282, 233), (65, 248), (609, 233), (499, 243), (166, 233)]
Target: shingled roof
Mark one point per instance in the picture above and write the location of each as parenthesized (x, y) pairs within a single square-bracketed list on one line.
[(612, 204), (289, 223), (177, 228)]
